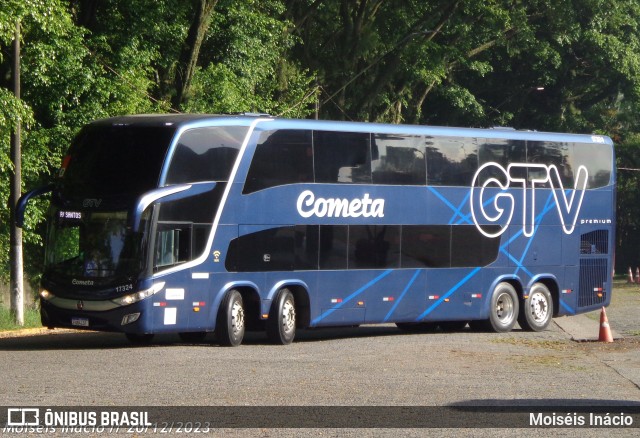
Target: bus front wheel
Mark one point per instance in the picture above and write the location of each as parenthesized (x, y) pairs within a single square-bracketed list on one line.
[(230, 322), (537, 309), (281, 325), (503, 308)]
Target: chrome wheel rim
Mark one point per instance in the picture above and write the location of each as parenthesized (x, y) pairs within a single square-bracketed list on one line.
[(288, 316), (237, 317), (505, 308), (539, 306)]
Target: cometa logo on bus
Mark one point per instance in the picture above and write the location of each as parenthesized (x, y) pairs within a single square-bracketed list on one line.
[(493, 202), (308, 205)]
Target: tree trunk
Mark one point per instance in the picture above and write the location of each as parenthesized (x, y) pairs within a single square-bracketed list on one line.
[(191, 50)]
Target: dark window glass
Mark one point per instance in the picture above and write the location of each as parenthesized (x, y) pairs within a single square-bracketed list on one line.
[(558, 154), (333, 246), (173, 244), (451, 161), (342, 157), (426, 246), (472, 248), (374, 246), (503, 152), (205, 154), (597, 158), (106, 161), (266, 250), (399, 160), (306, 241), (185, 223), (281, 157)]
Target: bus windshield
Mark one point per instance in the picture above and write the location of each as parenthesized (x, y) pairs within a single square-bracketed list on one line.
[(93, 245)]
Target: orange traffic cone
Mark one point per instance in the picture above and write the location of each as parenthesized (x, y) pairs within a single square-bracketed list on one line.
[(638, 275), (630, 276), (605, 330)]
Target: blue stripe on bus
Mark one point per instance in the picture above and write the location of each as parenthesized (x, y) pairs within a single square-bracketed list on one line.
[(352, 296), (448, 294), (538, 220), (404, 292), (566, 307), (463, 218)]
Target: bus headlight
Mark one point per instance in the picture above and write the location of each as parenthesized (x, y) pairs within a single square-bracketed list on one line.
[(46, 295), (138, 296)]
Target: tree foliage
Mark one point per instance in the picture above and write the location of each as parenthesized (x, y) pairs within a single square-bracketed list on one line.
[(556, 65)]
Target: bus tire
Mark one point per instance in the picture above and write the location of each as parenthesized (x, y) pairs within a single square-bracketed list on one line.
[(281, 325), (503, 308), (537, 309), (230, 322)]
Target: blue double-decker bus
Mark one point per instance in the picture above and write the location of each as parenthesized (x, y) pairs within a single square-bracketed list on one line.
[(192, 224)]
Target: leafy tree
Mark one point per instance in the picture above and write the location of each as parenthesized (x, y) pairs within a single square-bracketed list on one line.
[(535, 64)]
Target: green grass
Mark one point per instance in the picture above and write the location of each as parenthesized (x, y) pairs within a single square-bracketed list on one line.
[(7, 322)]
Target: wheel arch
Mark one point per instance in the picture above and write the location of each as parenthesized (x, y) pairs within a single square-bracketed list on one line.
[(250, 299), (512, 280), (300, 292)]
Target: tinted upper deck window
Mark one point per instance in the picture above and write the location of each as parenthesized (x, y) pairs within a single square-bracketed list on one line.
[(342, 157), (109, 161), (205, 154), (281, 157), (451, 161), (399, 160)]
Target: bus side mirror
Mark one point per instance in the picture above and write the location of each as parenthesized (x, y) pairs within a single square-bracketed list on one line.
[(168, 193), (21, 206)]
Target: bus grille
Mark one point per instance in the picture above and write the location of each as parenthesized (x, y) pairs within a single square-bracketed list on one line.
[(595, 242), (593, 276)]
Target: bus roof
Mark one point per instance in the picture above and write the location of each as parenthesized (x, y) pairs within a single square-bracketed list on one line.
[(186, 120)]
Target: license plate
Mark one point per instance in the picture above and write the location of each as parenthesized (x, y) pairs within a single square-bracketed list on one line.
[(80, 322)]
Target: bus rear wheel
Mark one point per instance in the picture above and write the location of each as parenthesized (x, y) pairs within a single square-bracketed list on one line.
[(281, 325), (537, 309), (230, 322), (503, 308)]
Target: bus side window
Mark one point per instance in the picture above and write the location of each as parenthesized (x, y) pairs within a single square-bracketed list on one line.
[(342, 157), (281, 157), (205, 154), (173, 244), (400, 160), (451, 161), (558, 154), (502, 152)]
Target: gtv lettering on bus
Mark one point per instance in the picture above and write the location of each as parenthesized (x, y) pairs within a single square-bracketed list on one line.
[(498, 208), (308, 205)]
